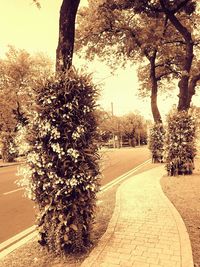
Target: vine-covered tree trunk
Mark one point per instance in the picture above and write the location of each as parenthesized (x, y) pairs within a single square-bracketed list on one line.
[(180, 143), (65, 48), (156, 138), (156, 142), (63, 157), (181, 127)]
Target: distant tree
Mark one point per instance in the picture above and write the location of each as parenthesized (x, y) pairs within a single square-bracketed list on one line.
[(107, 125), (19, 74), (8, 124), (131, 126)]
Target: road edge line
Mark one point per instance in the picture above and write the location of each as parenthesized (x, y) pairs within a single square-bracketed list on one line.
[(16, 238), (123, 176), (19, 243)]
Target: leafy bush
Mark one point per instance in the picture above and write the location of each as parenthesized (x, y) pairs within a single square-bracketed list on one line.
[(156, 142), (63, 161), (180, 144)]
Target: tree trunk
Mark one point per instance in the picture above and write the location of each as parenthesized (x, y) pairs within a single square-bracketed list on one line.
[(154, 83), (154, 90), (65, 48), (184, 102)]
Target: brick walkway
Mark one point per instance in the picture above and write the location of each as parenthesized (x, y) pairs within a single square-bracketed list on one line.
[(145, 230)]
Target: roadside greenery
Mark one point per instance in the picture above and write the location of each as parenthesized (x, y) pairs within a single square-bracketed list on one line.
[(62, 172), (19, 74), (156, 142), (62, 161), (129, 130), (180, 143)]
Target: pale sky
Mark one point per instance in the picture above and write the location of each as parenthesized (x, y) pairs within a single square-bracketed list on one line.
[(35, 30)]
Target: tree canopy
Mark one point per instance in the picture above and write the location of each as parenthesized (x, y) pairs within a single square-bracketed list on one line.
[(20, 73), (118, 31)]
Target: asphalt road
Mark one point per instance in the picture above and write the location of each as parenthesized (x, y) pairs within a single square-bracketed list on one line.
[(17, 212)]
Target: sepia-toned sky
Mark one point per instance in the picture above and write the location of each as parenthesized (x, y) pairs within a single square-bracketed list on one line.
[(27, 27)]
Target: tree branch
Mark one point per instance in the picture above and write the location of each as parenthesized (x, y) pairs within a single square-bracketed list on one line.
[(177, 24), (181, 5)]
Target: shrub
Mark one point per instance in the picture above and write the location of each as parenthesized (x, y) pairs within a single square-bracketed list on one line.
[(156, 142), (63, 161), (180, 144)]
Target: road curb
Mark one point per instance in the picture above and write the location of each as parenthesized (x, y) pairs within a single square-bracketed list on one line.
[(14, 242), (15, 246)]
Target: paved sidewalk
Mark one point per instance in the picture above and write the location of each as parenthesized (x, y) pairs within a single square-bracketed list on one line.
[(145, 230)]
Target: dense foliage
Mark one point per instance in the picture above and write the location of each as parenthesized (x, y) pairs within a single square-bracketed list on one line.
[(130, 129), (8, 147), (63, 161), (180, 146), (156, 142), (19, 74)]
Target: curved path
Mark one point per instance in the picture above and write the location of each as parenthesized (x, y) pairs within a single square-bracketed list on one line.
[(145, 230)]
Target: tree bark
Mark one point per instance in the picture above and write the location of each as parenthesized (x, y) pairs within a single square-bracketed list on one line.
[(184, 102), (65, 48), (151, 56), (154, 89)]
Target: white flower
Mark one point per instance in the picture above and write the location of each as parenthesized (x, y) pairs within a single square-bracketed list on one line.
[(86, 109), (73, 182), (77, 134), (33, 157), (65, 116), (55, 133), (90, 186), (56, 147), (73, 153), (69, 106)]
